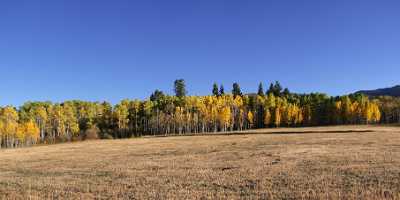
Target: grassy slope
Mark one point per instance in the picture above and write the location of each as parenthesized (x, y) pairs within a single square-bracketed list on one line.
[(309, 163)]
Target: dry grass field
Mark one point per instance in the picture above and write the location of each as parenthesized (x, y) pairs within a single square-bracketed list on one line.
[(344, 162)]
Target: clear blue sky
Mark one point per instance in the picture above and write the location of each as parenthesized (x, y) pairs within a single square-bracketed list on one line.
[(109, 50)]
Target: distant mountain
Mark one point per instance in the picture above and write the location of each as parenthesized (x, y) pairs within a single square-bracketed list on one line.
[(393, 91)]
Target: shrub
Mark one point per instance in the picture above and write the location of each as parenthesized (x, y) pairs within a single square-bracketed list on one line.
[(91, 133)]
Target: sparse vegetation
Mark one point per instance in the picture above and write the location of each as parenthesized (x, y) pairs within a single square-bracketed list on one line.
[(349, 162)]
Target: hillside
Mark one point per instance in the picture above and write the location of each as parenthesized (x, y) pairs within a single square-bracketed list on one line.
[(392, 91), (341, 162)]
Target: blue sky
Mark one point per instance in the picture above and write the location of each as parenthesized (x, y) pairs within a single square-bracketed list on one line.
[(109, 50)]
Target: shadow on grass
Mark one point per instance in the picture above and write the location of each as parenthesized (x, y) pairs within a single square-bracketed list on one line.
[(262, 133)]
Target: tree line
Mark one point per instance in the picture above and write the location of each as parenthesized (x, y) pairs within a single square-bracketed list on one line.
[(161, 114)]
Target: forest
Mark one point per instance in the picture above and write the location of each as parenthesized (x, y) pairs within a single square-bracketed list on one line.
[(161, 114)]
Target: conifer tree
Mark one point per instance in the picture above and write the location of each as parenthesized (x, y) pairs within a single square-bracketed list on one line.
[(277, 88), (215, 90), (221, 90), (180, 88), (286, 92), (236, 90), (157, 95), (260, 90)]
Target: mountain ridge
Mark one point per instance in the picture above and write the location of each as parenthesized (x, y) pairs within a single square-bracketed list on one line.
[(389, 91)]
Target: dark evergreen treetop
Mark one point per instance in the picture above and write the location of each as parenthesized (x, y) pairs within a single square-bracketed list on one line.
[(180, 88), (236, 91), (260, 90), (157, 95), (215, 89), (221, 90)]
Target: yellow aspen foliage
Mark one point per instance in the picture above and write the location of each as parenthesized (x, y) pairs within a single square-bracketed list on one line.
[(179, 114), (376, 116), (260, 100), (290, 114), (202, 107), (373, 113), (296, 115), (354, 111), (9, 118), (121, 114), (238, 101), (41, 114), (267, 117), (270, 102), (250, 117), (338, 105), (28, 132), (74, 128), (225, 116), (368, 112), (32, 130), (278, 117), (20, 133), (58, 120), (71, 122), (337, 112), (147, 107)]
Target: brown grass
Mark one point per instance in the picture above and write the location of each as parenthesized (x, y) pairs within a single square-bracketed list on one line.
[(343, 162)]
